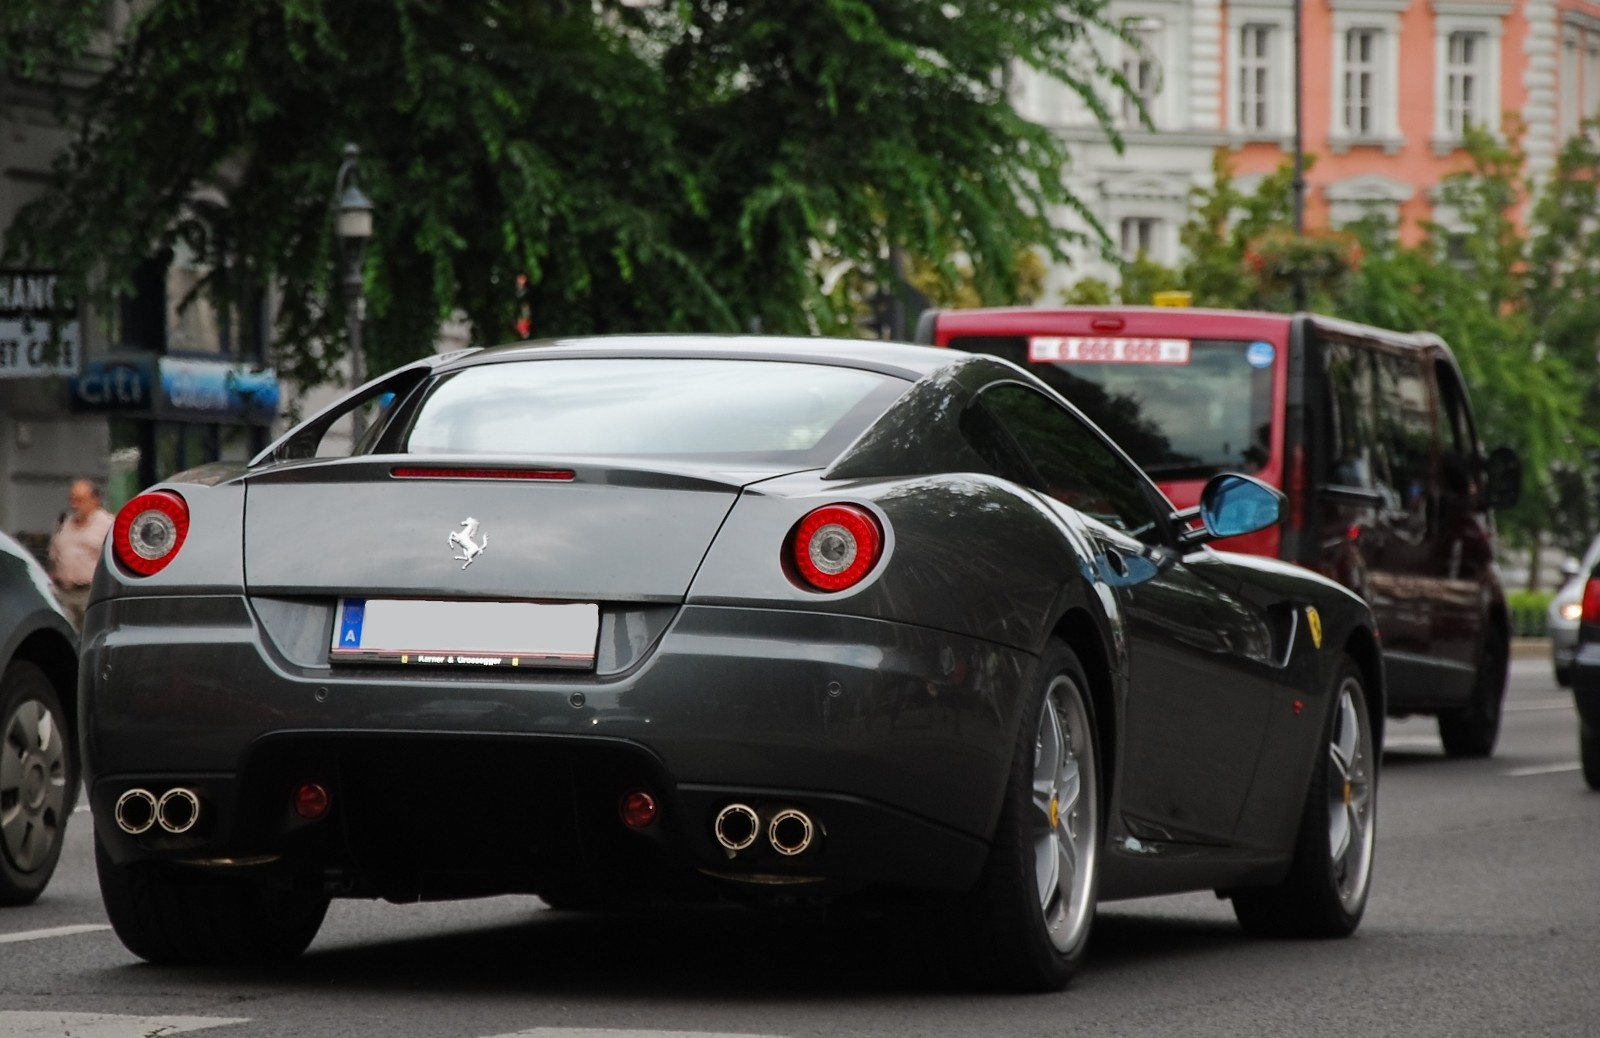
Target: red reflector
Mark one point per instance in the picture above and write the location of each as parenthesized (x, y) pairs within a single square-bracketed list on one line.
[(837, 545), (1106, 324), (149, 531), (417, 472), (1591, 602), (311, 801), (638, 809)]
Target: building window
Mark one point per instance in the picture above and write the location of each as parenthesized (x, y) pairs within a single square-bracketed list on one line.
[(1142, 71), (1463, 82), (1255, 78), (1360, 82), (1139, 237)]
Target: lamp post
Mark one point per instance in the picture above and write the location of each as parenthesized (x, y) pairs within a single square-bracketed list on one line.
[(1298, 184), (353, 227)]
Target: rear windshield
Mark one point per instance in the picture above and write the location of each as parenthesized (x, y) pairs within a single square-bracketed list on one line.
[(730, 409), (1181, 408)]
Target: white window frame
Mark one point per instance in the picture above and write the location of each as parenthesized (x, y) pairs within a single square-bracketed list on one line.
[(1382, 18), (1145, 71), (1485, 22), (1279, 19), (1148, 232)]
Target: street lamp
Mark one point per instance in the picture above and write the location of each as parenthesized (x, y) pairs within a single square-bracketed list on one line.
[(353, 228)]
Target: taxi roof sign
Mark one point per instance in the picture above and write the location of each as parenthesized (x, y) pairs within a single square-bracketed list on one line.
[(1172, 298)]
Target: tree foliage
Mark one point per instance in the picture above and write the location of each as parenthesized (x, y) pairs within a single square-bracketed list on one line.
[(677, 164)]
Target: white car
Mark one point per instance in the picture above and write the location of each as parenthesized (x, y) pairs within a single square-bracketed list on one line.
[(1562, 622)]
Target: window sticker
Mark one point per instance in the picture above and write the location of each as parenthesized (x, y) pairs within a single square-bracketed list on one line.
[(1073, 349), (1260, 354)]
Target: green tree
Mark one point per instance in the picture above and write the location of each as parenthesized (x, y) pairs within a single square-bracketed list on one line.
[(675, 165)]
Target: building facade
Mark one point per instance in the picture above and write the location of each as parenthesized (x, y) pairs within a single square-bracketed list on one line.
[(1388, 89), (125, 395)]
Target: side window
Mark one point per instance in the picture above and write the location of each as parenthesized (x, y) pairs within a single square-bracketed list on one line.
[(1074, 465), (1405, 427), (1458, 446), (1352, 457)]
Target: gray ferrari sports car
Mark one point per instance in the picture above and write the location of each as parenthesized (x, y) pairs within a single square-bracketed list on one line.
[(791, 620)]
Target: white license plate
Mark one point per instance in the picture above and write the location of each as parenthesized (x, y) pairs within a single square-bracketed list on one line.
[(426, 632)]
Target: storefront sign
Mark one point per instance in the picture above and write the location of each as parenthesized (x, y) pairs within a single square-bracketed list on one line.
[(143, 385), (38, 328), (207, 389), (114, 384)]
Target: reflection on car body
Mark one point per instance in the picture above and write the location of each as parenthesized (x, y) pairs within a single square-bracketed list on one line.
[(854, 642)]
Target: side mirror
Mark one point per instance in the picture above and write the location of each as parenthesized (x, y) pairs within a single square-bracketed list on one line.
[(1232, 504), (1502, 478)]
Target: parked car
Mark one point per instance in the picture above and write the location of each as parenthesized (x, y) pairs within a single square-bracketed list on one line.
[(782, 619), (38, 747), (1586, 679), (1369, 433), (1561, 622)]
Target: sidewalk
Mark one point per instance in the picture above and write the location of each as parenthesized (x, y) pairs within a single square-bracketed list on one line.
[(1530, 648)]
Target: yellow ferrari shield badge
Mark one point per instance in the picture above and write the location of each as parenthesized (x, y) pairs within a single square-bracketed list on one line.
[(1314, 619)]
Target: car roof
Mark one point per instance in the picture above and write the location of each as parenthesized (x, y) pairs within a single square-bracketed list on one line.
[(895, 358)]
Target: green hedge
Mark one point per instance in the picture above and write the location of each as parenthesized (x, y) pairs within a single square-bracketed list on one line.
[(1528, 612)]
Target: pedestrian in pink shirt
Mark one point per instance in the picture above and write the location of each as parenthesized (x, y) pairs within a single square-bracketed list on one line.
[(75, 548)]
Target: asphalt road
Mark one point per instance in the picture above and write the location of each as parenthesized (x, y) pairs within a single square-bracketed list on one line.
[(1484, 920)]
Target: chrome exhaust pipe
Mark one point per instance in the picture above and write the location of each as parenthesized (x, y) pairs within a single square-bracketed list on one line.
[(136, 811), (737, 827), (178, 810), (790, 831)]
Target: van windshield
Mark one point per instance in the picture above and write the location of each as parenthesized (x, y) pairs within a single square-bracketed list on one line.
[(1182, 408)]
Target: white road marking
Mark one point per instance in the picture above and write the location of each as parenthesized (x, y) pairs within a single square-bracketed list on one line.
[(1411, 742), (54, 931), (1543, 769), (1561, 704), (606, 1032), (47, 1024)]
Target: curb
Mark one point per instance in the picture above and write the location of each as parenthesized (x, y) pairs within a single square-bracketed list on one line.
[(1530, 648)]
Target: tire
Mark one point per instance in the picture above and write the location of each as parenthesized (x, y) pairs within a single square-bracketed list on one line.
[(1563, 676), (38, 782), (1589, 753), (1473, 730), (1325, 892), (1025, 926), (172, 915)]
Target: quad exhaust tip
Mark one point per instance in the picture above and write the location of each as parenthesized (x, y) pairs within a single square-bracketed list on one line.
[(176, 811), (790, 831), (737, 827)]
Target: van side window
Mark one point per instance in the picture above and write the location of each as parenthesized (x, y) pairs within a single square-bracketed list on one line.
[(1355, 455), (1458, 443), (1405, 428), (1073, 464)]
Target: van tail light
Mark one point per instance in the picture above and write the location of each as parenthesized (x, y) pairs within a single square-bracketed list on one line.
[(1591, 601), (149, 531), (835, 546)]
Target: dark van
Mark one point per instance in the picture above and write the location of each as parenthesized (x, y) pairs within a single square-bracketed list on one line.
[(1368, 433)]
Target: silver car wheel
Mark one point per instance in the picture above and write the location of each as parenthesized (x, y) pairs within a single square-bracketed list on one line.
[(33, 785), (1066, 813), (1350, 795)]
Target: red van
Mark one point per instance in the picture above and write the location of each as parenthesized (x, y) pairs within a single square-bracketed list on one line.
[(1368, 433)]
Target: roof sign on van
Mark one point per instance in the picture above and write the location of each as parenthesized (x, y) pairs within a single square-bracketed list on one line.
[(1074, 349)]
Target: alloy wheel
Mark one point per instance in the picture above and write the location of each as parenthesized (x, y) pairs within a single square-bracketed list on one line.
[(33, 785), (1350, 794), (1066, 813)]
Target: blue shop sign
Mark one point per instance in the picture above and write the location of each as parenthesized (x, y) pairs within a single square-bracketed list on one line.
[(113, 384), (207, 389)]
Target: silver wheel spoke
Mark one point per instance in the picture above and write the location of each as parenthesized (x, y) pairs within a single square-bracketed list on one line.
[(33, 785), (1047, 869)]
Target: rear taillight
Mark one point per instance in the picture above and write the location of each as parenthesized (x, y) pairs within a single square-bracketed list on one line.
[(836, 545), (1591, 601), (149, 531)]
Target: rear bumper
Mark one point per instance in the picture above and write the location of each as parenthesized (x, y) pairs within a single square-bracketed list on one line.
[(895, 739)]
